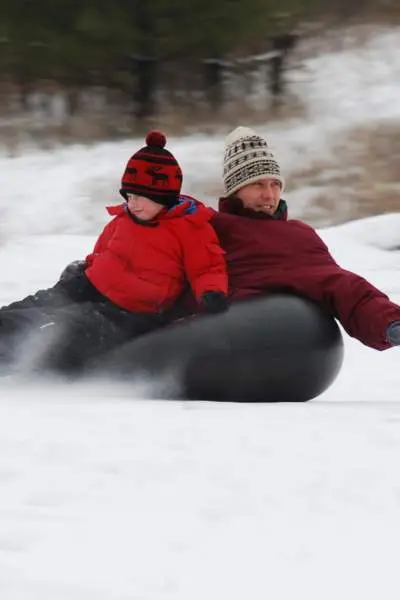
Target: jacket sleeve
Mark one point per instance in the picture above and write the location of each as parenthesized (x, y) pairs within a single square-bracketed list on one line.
[(363, 310), (204, 260)]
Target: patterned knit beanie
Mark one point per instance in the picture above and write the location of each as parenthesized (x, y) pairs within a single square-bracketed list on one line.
[(248, 159), (153, 172)]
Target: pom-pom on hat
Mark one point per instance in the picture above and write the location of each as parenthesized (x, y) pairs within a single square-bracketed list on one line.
[(248, 159), (153, 172)]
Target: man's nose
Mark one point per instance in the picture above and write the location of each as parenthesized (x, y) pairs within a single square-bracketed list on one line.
[(267, 193)]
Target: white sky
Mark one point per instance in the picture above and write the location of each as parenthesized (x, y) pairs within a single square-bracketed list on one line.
[(106, 495)]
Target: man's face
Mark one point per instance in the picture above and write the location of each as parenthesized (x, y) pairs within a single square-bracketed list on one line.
[(261, 196)]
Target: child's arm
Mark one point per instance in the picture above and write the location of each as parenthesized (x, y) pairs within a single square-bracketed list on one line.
[(205, 267)]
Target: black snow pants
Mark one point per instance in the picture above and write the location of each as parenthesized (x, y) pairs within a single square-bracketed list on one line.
[(51, 331)]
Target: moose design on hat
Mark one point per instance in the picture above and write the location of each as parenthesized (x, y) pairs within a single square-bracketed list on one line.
[(157, 177), (153, 172)]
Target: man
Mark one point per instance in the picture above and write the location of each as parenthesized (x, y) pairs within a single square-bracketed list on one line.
[(267, 252)]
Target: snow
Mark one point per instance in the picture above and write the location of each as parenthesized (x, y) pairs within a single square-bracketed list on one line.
[(120, 498), (356, 84), (108, 495)]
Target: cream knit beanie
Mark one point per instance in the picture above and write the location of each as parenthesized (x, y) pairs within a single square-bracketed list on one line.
[(248, 159)]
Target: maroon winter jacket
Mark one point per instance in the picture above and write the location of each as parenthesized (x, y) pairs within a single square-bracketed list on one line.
[(265, 254)]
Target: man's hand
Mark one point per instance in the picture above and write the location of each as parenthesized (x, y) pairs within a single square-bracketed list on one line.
[(393, 333)]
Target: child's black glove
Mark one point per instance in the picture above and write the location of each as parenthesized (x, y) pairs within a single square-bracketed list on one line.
[(214, 302)]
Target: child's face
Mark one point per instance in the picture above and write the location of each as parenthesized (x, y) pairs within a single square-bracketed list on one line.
[(143, 208)]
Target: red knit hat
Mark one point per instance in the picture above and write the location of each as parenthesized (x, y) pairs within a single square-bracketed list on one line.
[(153, 172)]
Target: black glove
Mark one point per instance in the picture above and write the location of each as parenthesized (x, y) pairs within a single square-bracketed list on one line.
[(214, 302), (393, 333), (77, 267)]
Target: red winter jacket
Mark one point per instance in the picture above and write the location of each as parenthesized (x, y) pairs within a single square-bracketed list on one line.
[(144, 267), (265, 254)]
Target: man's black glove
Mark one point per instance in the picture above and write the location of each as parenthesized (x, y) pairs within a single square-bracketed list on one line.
[(393, 333), (214, 302)]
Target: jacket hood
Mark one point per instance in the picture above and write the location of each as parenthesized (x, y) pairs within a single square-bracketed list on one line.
[(234, 206)]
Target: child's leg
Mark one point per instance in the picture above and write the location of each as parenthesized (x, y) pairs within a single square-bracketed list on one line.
[(71, 288), (80, 333), (25, 320), (18, 327), (54, 297)]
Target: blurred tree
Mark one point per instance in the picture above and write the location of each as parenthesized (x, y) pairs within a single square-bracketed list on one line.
[(78, 39), (120, 43), (81, 38)]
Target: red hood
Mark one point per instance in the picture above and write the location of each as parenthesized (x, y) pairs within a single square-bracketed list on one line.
[(233, 206)]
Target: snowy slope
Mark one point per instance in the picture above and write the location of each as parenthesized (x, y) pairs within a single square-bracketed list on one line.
[(105, 497)]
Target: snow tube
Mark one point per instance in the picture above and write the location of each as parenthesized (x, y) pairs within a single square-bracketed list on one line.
[(279, 348)]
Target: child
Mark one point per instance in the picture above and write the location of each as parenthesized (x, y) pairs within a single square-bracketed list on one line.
[(158, 242)]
